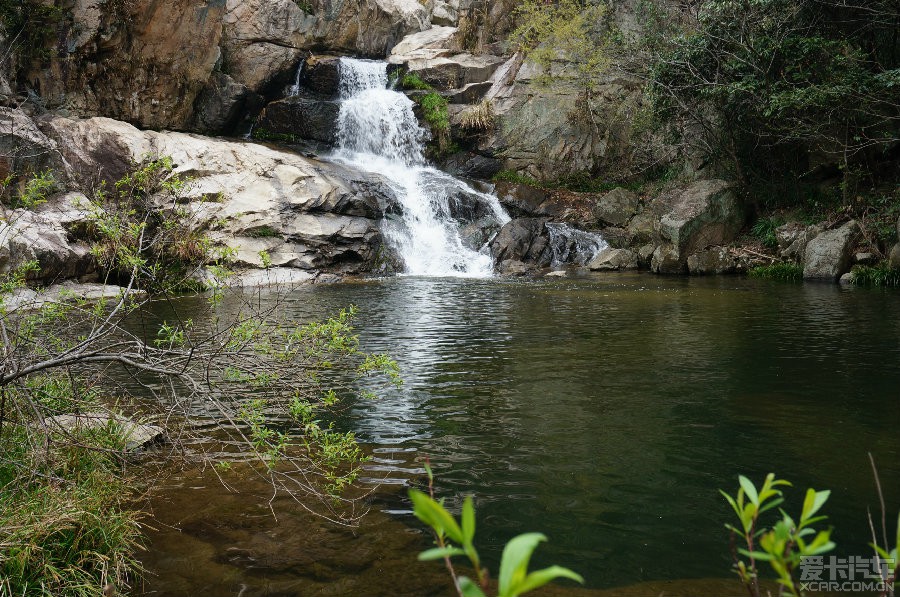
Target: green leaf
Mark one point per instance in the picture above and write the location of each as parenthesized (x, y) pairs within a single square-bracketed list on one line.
[(749, 489), (468, 521), (514, 562), (541, 577), (469, 588), (439, 553), (813, 502), (434, 515)]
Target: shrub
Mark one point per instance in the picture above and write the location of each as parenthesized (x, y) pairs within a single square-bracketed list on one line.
[(783, 270), (875, 275)]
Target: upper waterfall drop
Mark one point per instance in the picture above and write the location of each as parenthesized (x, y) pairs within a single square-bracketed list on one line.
[(378, 132)]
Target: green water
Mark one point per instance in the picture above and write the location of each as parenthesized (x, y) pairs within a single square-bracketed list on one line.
[(604, 411)]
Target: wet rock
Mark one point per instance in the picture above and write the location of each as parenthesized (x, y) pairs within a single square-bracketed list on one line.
[(525, 200), (846, 279), (522, 239), (616, 207), (613, 259), (322, 76), (299, 116), (716, 260), (828, 255), (471, 165), (512, 267), (645, 255), (667, 259)]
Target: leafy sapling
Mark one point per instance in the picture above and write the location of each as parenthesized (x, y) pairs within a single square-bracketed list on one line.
[(456, 538)]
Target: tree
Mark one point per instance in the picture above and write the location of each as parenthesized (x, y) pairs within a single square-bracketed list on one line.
[(775, 82)]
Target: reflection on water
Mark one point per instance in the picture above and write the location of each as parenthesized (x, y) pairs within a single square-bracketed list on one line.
[(602, 411)]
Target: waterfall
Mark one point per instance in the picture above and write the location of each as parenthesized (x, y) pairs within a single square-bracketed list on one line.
[(378, 132)]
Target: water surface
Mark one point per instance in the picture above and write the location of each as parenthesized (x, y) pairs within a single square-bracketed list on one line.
[(605, 411)]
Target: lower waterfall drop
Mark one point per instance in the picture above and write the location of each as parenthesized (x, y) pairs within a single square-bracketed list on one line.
[(378, 132)]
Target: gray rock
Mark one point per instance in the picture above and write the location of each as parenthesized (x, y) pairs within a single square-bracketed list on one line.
[(716, 260), (667, 260), (452, 72), (645, 255), (525, 200), (613, 259), (703, 214), (512, 267), (222, 104), (796, 250), (846, 279), (829, 255), (322, 76), (865, 258), (300, 116), (898, 229), (42, 237), (468, 94), (431, 43), (443, 13), (305, 213), (894, 257), (788, 234), (24, 148), (137, 435), (642, 227), (560, 273), (616, 207), (472, 165), (522, 239)]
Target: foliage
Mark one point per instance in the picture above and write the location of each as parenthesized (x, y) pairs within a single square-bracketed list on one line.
[(479, 117), (777, 85), (456, 538), (784, 271), (65, 526), (784, 544), (33, 193), (875, 275), (434, 110), (413, 81), (562, 30), (28, 24), (764, 230)]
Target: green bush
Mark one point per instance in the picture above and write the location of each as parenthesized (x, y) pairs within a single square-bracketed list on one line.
[(764, 230), (875, 275), (434, 110), (783, 270), (413, 81)]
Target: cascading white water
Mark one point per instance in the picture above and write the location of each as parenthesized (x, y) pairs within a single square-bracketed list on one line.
[(378, 132), (571, 245)]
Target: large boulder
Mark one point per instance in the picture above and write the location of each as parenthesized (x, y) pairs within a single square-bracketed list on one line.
[(299, 116), (894, 257), (452, 72), (24, 149), (610, 259), (430, 43), (616, 207), (830, 254), (44, 235), (249, 197), (366, 27), (523, 240), (715, 260), (223, 104), (700, 215)]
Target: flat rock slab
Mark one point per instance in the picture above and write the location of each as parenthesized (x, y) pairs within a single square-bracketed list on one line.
[(137, 435)]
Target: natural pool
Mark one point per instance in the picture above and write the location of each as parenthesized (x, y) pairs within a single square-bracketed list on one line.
[(605, 411)]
